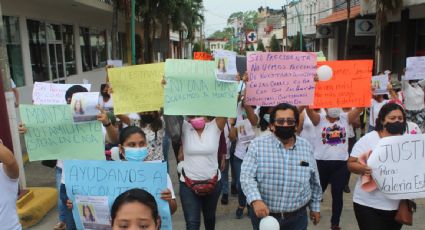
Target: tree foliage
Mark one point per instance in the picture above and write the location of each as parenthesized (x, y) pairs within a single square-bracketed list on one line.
[(296, 43), (274, 44), (249, 19), (260, 46)]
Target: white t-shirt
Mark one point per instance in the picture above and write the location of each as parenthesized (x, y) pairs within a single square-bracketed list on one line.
[(309, 130), (413, 128), (9, 219), (413, 96), (200, 152), (228, 142), (108, 106), (375, 199), (375, 107), (333, 144)]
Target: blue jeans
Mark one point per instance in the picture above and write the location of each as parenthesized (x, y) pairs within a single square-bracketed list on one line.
[(237, 163), (298, 222), (225, 179), (61, 207), (69, 218), (193, 205)]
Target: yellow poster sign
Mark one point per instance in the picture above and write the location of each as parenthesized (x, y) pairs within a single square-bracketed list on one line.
[(137, 88)]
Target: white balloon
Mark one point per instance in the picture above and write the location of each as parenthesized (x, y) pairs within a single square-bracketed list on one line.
[(269, 223), (180, 167), (324, 73)]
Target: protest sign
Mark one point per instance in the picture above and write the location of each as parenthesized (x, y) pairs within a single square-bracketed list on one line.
[(277, 77), (192, 89), (111, 178), (415, 68), (379, 83), (320, 56), (51, 93), (84, 106), (137, 88), (397, 165), (52, 134), (225, 62), (114, 63), (241, 64), (245, 130), (202, 56), (348, 87), (93, 212)]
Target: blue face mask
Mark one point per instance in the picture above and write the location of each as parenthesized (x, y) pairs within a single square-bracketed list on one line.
[(135, 154), (266, 117)]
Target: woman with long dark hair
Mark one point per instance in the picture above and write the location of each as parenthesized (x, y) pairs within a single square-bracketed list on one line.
[(372, 209)]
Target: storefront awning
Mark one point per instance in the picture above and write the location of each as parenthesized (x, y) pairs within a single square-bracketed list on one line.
[(340, 16)]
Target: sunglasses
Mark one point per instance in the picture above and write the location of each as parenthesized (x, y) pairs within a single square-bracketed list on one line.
[(282, 121)]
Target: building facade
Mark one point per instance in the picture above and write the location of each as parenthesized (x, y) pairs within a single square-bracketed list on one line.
[(69, 41)]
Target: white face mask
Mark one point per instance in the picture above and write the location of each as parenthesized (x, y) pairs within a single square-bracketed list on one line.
[(334, 112)]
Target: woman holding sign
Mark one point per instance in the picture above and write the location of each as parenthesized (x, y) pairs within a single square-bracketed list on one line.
[(133, 147), (200, 183), (372, 209), (331, 152)]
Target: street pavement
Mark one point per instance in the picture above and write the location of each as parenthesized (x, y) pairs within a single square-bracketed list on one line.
[(40, 176)]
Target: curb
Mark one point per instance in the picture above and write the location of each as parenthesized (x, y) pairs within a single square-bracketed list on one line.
[(34, 206)]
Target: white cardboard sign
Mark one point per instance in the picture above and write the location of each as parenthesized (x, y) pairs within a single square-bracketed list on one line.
[(398, 166), (51, 93), (415, 68)]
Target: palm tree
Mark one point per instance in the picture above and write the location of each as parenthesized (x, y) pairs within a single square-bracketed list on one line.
[(383, 6)]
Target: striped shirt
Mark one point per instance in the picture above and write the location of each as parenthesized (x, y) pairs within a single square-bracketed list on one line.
[(277, 176)]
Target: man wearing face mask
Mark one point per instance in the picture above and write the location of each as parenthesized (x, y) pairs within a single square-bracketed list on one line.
[(331, 152), (279, 174)]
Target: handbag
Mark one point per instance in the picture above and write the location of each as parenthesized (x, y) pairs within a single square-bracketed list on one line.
[(405, 211), (201, 187)]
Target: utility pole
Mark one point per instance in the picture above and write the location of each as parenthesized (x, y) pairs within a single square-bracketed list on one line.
[(133, 32), (299, 21)]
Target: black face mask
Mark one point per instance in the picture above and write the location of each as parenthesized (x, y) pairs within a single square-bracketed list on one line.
[(284, 132), (147, 118), (395, 127)]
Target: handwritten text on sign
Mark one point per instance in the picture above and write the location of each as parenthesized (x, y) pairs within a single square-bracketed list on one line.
[(278, 77), (111, 178), (193, 90), (51, 93), (52, 134), (398, 166), (415, 68), (348, 87), (137, 88)]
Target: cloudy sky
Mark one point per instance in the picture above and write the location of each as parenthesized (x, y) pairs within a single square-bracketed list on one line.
[(217, 11)]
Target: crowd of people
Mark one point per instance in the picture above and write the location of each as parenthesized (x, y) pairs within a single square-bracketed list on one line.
[(277, 160)]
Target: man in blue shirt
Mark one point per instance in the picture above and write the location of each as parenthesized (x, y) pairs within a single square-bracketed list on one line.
[(279, 174)]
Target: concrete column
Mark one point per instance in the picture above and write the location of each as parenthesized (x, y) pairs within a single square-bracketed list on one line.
[(333, 46), (78, 59), (25, 47)]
